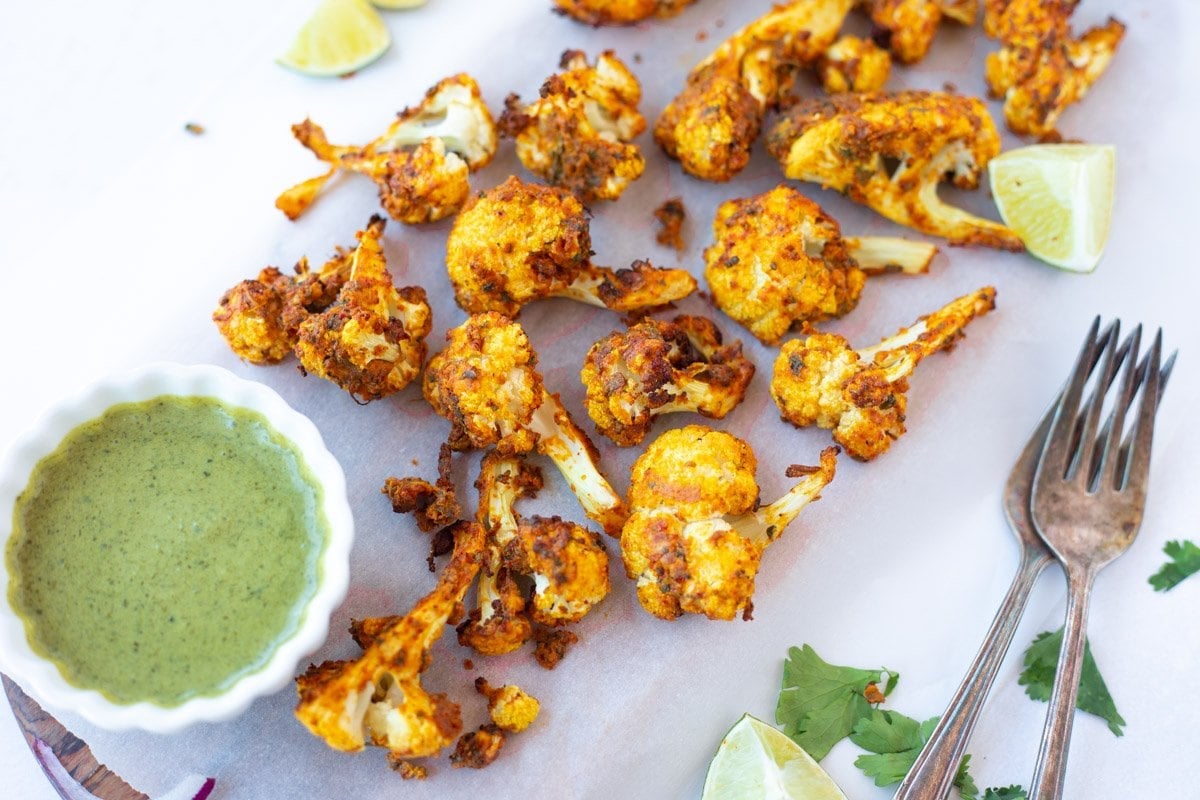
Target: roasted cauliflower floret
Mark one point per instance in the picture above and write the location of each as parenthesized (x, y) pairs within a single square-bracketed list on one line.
[(509, 706), (371, 341), (568, 565), (486, 383), (908, 26), (578, 135), (378, 698), (696, 534), (712, 124), (890, 151), (619, 12), (1040, 68), (519, 242), (499, 624), (852, 64), (260, 318), (658, 367), (860, 395), (777, 261), (420, 163)]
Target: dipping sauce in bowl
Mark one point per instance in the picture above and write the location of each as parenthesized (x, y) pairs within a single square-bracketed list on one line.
[(165, 548), (178, 540)]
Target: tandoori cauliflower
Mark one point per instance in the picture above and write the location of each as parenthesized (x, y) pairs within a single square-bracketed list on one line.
[(499, 623), (657, 367), (567, 564), (486, 383), (712, 124), (619, 12), (420, 163), (1040, 68), (861, 395), (519, 242), (371, 340), (260, 318), (890, 151), (510, 707), (908, 26), (578, 135), (378, 699), (696, 534), (852, 64), (778, 261)]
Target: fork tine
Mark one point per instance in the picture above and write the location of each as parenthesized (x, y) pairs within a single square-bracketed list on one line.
[(1137, 470), (1082, 466), (1056, 453), (1108, 444), (1165, 373), (1119, 366), (1115, 458)]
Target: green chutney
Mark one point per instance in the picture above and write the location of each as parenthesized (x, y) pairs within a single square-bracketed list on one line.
[(165, 549)]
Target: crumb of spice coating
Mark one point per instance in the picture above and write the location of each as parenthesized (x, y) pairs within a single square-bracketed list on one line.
[(670, 216), (552, 645), (478, 748), (194, 128), (873, 695), (407, 769), (800, 470)]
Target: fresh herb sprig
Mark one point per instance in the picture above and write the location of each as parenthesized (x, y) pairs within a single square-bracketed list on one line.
[(821, 703), (1185, 561), (1041, 662)]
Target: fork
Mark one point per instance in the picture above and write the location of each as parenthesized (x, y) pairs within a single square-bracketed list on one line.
[(1087, 502), (936, 766)]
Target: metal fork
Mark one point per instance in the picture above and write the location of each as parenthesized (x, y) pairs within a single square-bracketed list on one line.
[(935, 768), (1089, 494)]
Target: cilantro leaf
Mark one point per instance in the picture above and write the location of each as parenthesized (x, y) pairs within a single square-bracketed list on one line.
[(963, 780), (1041, 661), (819, 703), (894, 742), (1006, 793), (1185, 561), (889, 732)]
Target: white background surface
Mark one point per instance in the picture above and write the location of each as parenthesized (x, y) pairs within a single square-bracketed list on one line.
[(120, 231)]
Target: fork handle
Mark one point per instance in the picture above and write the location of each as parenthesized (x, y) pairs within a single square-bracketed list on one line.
[(1051, 767), (937, 765)]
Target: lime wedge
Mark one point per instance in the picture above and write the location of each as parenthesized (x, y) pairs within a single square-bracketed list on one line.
[(1059, 199), (340, 37), (755, 761)]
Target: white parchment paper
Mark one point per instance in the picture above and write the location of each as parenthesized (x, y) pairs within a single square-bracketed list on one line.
[(123, 230)]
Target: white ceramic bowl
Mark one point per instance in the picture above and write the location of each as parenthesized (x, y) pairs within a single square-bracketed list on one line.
[(42, 679)]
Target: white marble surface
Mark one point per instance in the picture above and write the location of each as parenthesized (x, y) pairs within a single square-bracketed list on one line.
[(120, 230)]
